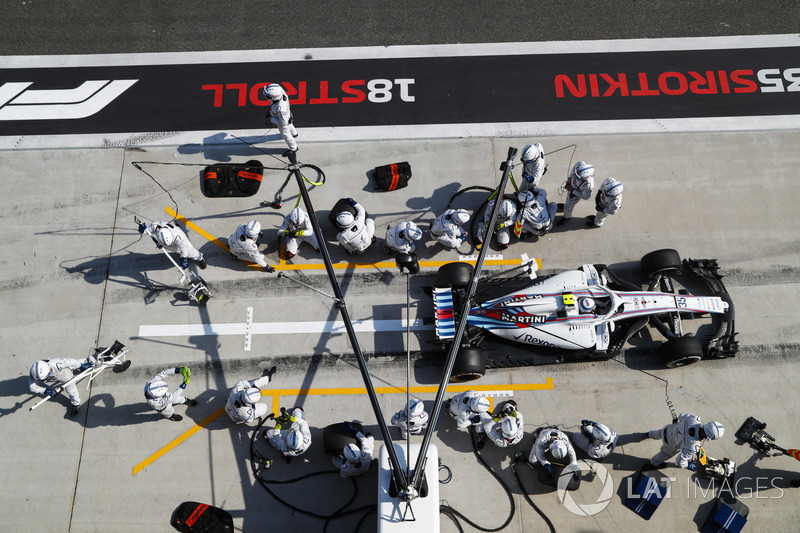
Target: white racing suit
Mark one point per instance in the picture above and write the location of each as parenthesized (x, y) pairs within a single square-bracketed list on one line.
[(534, 170), (538, 216), (397, 239), (245, 248), (546, 437), (360, 465), (296, 235), (359, 237), (493, 429), (594, 448), (413, 426), (277, 436), (605, 205), (61, 371), (447, 232), (164, 404), (577, 190), (681, 438), (180, 244), (239, 411), (464, 415), (280, 114), (503, 223)]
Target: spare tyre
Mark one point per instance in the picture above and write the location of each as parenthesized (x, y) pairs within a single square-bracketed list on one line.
[(336, 436)]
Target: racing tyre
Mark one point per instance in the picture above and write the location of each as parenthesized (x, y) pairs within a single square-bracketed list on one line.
[(660, 261), (336, 436), (456, 275), (470, 365), (681, 351)]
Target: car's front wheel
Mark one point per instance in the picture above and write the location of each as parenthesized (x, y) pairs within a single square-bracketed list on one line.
[(660, 261), (681, 351)]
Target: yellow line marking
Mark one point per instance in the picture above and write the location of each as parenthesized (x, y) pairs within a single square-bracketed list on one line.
[(277, 393), (282, 265)]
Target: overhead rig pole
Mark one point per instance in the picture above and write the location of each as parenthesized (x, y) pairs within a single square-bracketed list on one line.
[(397, 472), (419, 468)]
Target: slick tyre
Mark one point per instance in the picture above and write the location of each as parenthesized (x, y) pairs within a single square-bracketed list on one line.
[(680, 352), (456, 275), (336, 436), (660, 261), (470, 365)]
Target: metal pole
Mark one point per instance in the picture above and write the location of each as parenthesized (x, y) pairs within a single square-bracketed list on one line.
[(342, 306), (419, 468)]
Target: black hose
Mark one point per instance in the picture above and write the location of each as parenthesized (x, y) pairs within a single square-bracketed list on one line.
[(447, 510), (528, 498)]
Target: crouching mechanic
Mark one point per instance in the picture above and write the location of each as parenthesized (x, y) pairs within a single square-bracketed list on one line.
[(607, 201), (296, 229), (413, 424), (505, 220), (505, 428), (448, 228), (597, 440), (551, 441), (357, 232), (48, 376), (683, 439), (172, 238), (402, 238), (157, 394), (355, 460), (536, 214), (291, 435), (243, 402), (243, 244), (469, 409)]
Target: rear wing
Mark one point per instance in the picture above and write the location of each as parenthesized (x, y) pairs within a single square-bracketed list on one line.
[(445, 316)]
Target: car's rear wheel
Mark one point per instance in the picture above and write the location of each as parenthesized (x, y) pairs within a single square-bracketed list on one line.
[(660, 261), (681, 351), (336, 436), (470, 365), (456, 275)]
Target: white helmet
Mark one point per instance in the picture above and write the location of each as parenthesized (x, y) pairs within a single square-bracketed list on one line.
[(559, 449), (583, 170), (252, 229), (294, 439), (531, 152), (165, 237), (297, 216), (40, 370), (714, 430), (345, 219), (274, 91), (415, 408), (250, 396), (509, 428), (459, 216), (410, 233), (479, 404), (601, 433), (507, 209), (587, 304), (156, 389), (351, 453), (526, 197), (612, 187)]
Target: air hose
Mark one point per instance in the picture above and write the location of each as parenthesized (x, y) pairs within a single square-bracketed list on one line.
[(525, 493)]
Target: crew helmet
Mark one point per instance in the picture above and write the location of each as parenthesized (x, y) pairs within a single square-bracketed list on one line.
[(508, 428), (165, 237), (274, 92), (351, 453), (252, 229), (559, 449), (531, 153), (526, 197), (459, 216), (587, 304), (612, 187), (583, 170), (156, 389), (294, 439), (507, 209), (479, 404), (415, 408), (345, 219), (601, 433), (714, 430), (251, 396), (410, 233), (40, 370), (297, 216)]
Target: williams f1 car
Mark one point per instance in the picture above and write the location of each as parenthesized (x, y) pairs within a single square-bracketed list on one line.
[(587, 313)]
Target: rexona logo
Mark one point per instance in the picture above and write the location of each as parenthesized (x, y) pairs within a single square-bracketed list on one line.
[(377, 91), (18, 102), (673, 83)]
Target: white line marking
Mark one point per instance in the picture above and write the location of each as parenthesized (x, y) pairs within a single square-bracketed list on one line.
[(248, 337), (278, 328)]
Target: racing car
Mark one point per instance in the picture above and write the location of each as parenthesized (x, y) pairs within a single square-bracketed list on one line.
[(587, 313)]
